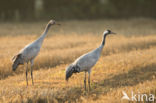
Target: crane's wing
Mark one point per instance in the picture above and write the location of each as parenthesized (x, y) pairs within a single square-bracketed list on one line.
[(30, 51), (17, 60), (15, 57), (88, 60)]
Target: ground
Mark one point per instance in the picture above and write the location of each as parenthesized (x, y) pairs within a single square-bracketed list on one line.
[(127, 63)]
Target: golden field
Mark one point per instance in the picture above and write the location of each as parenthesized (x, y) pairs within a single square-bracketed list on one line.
[(127, 63)]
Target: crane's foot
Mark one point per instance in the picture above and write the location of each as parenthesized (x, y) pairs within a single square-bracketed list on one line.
[(85, 85), (32, 82), (27, 83), (89, 85)]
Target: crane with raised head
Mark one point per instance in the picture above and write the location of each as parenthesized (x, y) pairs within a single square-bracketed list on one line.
[(30, 51), (85, 62)]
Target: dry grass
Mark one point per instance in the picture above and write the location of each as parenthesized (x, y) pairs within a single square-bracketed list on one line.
[(127, 63)]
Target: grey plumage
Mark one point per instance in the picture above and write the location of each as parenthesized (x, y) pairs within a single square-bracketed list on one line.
[(86, 61), (30, 51)]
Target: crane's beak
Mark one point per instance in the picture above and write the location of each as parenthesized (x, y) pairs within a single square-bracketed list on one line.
[(112, 33)]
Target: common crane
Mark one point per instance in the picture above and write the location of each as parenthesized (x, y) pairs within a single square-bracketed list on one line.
[(85, 62), (30, 51)]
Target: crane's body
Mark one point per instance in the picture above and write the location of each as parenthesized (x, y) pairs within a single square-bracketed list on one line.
[(85, 62), (30, 51), (88, 60)]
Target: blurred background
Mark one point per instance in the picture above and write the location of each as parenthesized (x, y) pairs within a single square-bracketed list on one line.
[(31, 10), (128, 17)]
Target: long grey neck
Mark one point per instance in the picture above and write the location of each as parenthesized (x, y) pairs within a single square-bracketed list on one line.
[(41, 38)]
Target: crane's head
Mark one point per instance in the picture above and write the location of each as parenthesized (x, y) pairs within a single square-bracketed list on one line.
[(52, 22), (70, 70), (17, 60), (107, 32)]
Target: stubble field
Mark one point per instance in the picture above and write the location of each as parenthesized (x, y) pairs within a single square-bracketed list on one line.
[(127, 63)]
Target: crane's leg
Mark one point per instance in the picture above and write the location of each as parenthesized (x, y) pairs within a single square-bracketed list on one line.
[(26, 73), (85, 81), (32, 62), (89, 80)]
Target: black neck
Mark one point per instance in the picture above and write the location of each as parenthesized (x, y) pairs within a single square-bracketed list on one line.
[(104, 39)]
